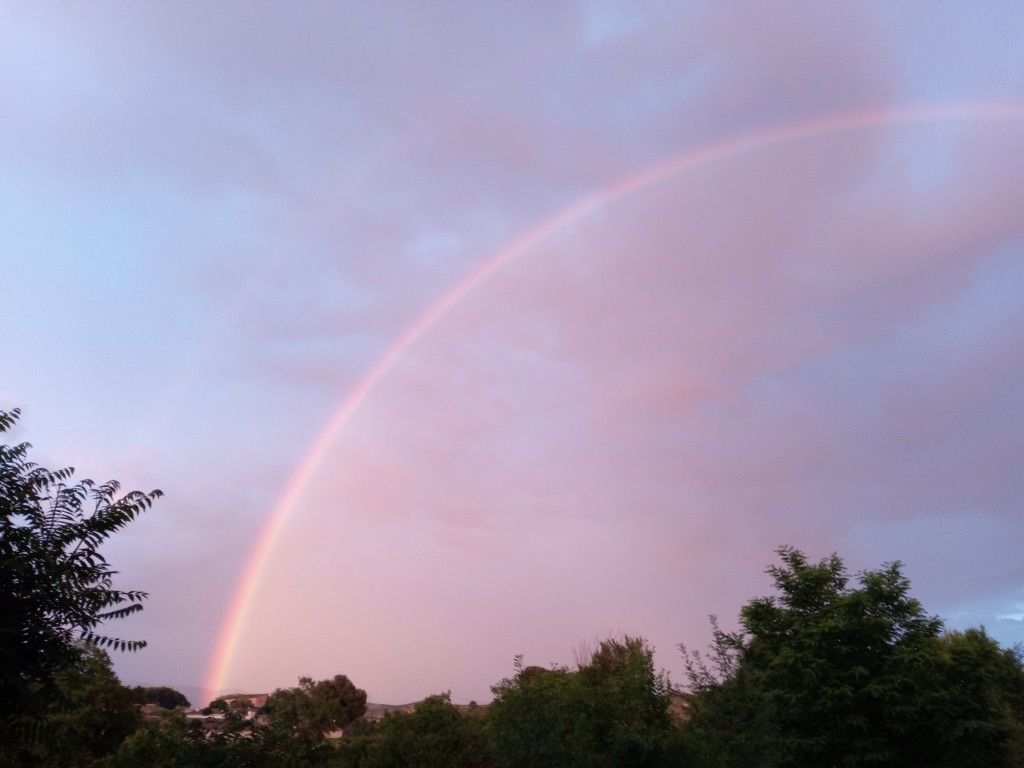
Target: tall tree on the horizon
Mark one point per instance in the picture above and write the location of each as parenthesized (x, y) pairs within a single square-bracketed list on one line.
[(824, 673)]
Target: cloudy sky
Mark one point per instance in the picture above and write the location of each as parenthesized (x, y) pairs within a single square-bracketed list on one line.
[(453, 331)]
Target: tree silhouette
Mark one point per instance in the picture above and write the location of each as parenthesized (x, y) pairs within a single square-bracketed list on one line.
[(56, 587)]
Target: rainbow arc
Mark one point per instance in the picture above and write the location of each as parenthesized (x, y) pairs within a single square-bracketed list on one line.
[(249, 582)]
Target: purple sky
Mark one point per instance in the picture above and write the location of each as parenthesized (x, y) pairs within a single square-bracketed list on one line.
[(215, 218)]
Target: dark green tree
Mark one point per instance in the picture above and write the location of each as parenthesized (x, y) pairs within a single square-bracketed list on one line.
[(979, 707), (360, 740), (631, 697), (534, 717), (436, 734), (828, 674), (56, 588), (89, 717), (611, 711), (178, 743), (161, 695), (169, 744), (316, 707)]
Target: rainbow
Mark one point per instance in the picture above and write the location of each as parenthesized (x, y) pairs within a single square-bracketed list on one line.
[(249, 581)]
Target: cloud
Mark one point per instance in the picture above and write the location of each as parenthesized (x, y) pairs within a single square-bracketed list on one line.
[(221, 217)]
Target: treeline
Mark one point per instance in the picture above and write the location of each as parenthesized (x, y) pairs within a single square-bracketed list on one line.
[(829, 670), (821, 673)]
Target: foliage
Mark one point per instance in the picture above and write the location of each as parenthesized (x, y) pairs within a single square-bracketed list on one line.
[(162, 696), (290, 740), (229, 743), (89, 717), (170, 744), (534, 717), (979, 702), (611, 711), (353, 750), (55, 585), (179, 743), (436, 734), (315, 708), (824, 674)]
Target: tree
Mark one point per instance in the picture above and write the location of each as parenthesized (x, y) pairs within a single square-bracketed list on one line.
[(178, 743), (162, 696), (55, 585), (825, 674), (635, 698), (436, 734), (170, 744), (315, 708), (979, 709), (724, 713), (611, 711), (90, 717)]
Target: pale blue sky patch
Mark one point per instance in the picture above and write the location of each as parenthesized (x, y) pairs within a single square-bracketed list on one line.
[(608, 19)]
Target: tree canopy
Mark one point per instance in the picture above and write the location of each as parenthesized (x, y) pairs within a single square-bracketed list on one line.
[(611, 711), (316, 707), (436, 734), (56, 587), (89, 717), (161, 695), (824, 673)]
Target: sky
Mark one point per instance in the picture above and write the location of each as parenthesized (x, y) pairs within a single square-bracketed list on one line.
[(456, 331)]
